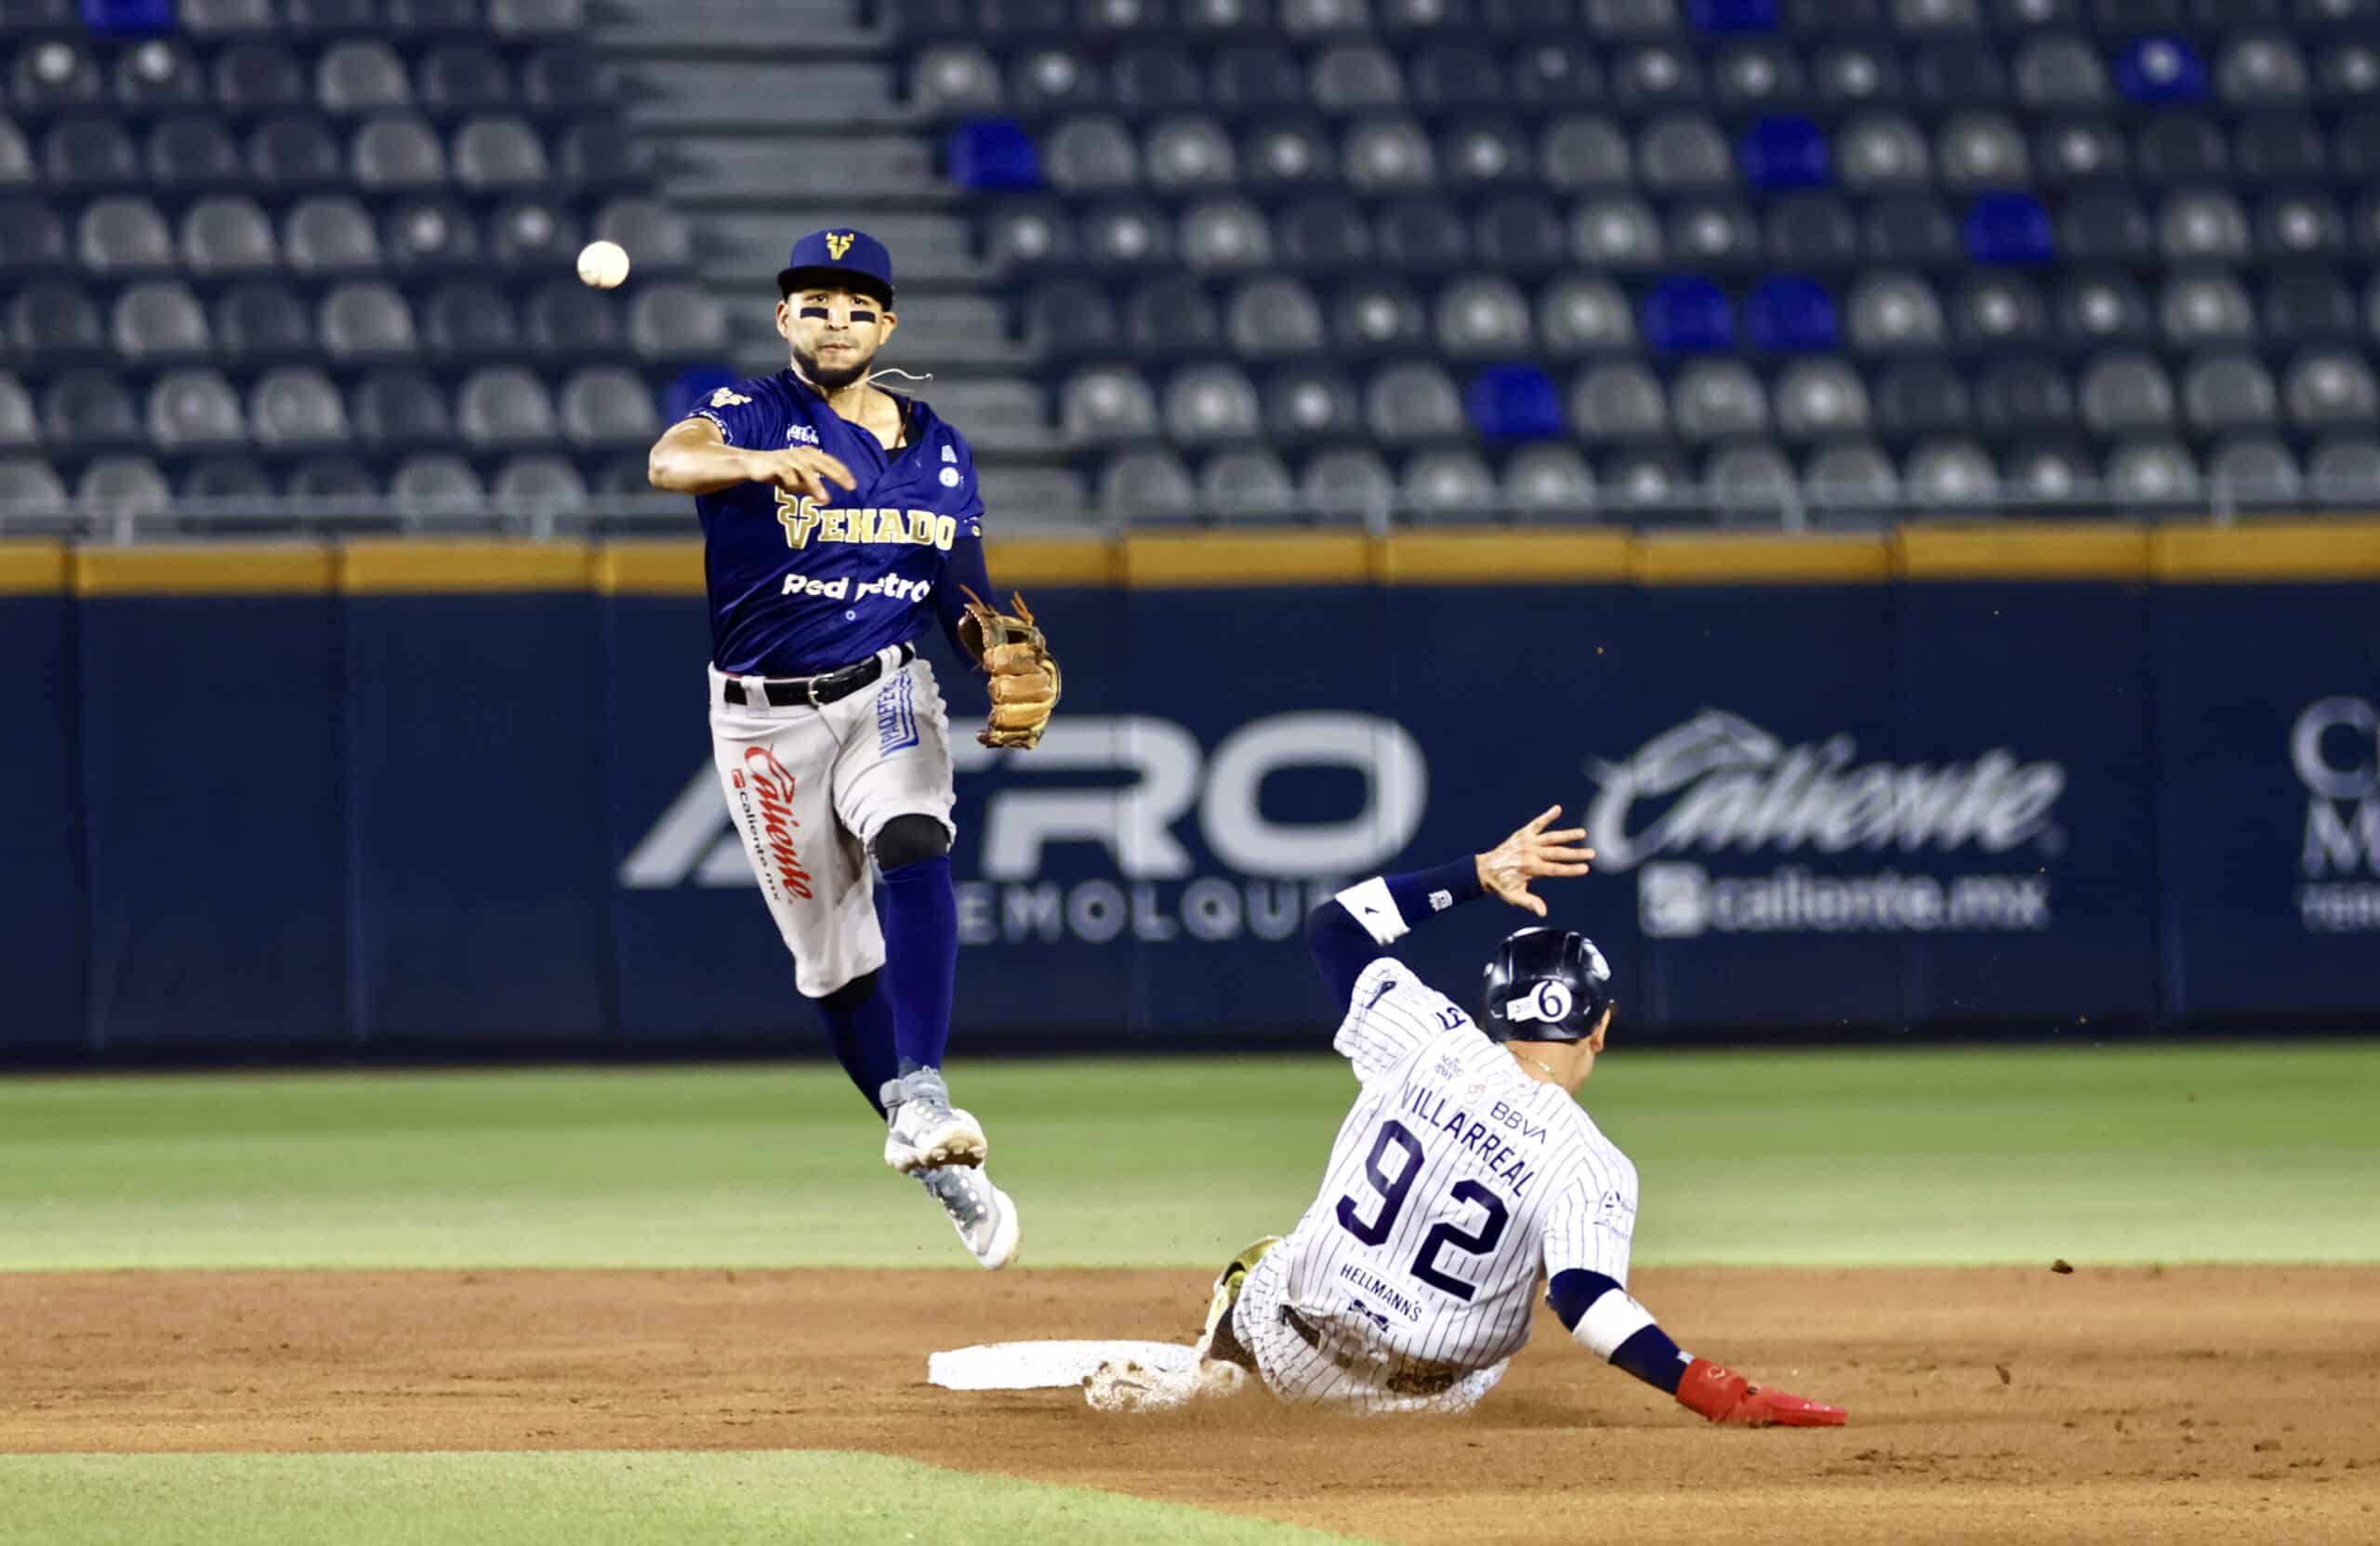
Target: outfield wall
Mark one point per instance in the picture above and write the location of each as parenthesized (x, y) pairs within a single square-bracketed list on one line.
[(1959, 781)]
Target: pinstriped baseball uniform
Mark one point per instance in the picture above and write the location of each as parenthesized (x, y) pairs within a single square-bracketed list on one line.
[(1456, 1185)]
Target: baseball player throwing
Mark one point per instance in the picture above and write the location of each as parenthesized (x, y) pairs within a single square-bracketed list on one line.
[(839, 520), (1465, 1176)]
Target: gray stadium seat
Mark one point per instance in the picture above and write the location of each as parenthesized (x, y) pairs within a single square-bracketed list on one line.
[(204, 16), (2018, 396), (123, 234), (538, 486), (1153, 79), (1631, 18), (533, 233), (2260, 70), (1484, 153), (1385, 155), (1653, 75), (2308, 306), (1312, 19), (2279, 148), (1880, 150), (1753, 480), (1649, 484), (192, 409), (333, 485), (1717, 400), (1810, 232), (1911, 229), (2060, 73), (1171, 315), (226, 480), (361, 74), (123, 485), (1978, 152), (1552, 70), (2080, 150), (2104, 225), (1583, 314), (1104, 403), (1356, 76), (1890, 311), (1712, 233), (1043, 495), (2104, 308), (1618, 400), (1581, 151), (1147, 484), (1289, 153), (1062, 319), (1347, 484), (434, 485), (1211, 405), (1855, 72), (535, 18), (2199, 310), (677, 322), (470, 77), (262, 321), (1752, 76), (1225, 234), (2180, 150), (15, 157), (2301, 225), (1089, 154), (1312, 403), (2331, 388), (2153, 473), (28, 488), (2345, 470), (295, 407), (400, 407), (952, 78), (565, 317), (1052, 79), (1244, 483), (1932, 16), (1325, 232), (2202, 225), (1923, 397), (54, 320), (2126, 393), (19, 426), (330, 16), (1683, 152), (1449, 485), (470, 318), (1819, 398), (1022, 234), (394, 154), (1995, 310), (1949, 473), (500, 152), (2048, 474), (228, 233), (1189, 150), (2253, 470), (160, 319), (1484, 315), (366, 319), (55, 75), (1855, 476), (1617, 233), (294, 152), (1373, 315), (656, 236), (1412, 402), (1273, 317), (329, 234), (260, 77), (1548, 482), (1128, 235), (504, 405), (192, 153), (608, 152)]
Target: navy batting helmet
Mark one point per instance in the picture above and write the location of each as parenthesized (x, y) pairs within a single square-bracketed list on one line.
[(1545, 984)]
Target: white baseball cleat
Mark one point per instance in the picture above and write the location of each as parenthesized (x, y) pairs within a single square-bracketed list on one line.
[(925, 1130), (984, 1215), (1134, 1387)]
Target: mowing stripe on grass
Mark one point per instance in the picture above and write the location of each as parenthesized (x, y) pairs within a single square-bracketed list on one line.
[(577, 1498)]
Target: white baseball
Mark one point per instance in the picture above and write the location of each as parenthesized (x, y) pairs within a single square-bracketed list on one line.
[(604, 264)]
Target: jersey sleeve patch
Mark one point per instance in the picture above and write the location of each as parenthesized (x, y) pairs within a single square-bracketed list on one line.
[(1391, 1013)]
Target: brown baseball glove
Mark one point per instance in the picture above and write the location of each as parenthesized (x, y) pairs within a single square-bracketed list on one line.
[(1025, 682)]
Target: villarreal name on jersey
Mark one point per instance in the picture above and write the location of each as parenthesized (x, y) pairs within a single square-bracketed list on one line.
[(805, 521)]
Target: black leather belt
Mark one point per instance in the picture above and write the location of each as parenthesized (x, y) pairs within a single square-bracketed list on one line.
[(813, 691), (1414, 1378)]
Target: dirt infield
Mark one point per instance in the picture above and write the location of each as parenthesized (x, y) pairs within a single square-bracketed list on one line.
[(2201, 1405)]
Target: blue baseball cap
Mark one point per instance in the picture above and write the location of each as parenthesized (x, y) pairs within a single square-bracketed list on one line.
[(851, 260)]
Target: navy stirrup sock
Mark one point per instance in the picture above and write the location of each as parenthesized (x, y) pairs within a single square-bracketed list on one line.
[(920, 959), (859, 1027)]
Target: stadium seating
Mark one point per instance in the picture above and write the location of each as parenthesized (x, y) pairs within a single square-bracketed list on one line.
[(322, 247), (1559, 256)]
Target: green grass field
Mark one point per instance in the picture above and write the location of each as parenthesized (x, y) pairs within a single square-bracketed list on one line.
[(2198, 1153)]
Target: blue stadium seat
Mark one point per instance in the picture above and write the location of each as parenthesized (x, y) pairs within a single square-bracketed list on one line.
[(1514, 403), (120, 17), (2162, 69), (1792, 314), (994, 155), (1686, 315), (1785, 150), (2010, 230), (1723, 17)]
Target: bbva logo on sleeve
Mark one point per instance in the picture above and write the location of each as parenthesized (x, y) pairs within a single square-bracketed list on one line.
[(1260, 874)]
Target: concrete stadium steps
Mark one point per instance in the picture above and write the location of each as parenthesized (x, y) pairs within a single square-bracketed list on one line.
[(768, 94), (730, 170), (811, 30)]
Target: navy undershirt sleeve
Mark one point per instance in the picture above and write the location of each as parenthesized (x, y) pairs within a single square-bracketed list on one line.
[(1648, 1355), (1342, 947), (965, 567)]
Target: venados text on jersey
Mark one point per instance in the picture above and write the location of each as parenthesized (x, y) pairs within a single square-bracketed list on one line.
[(804, 519)]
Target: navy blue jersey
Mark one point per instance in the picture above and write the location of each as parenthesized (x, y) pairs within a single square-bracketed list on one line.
[(798, 587)]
